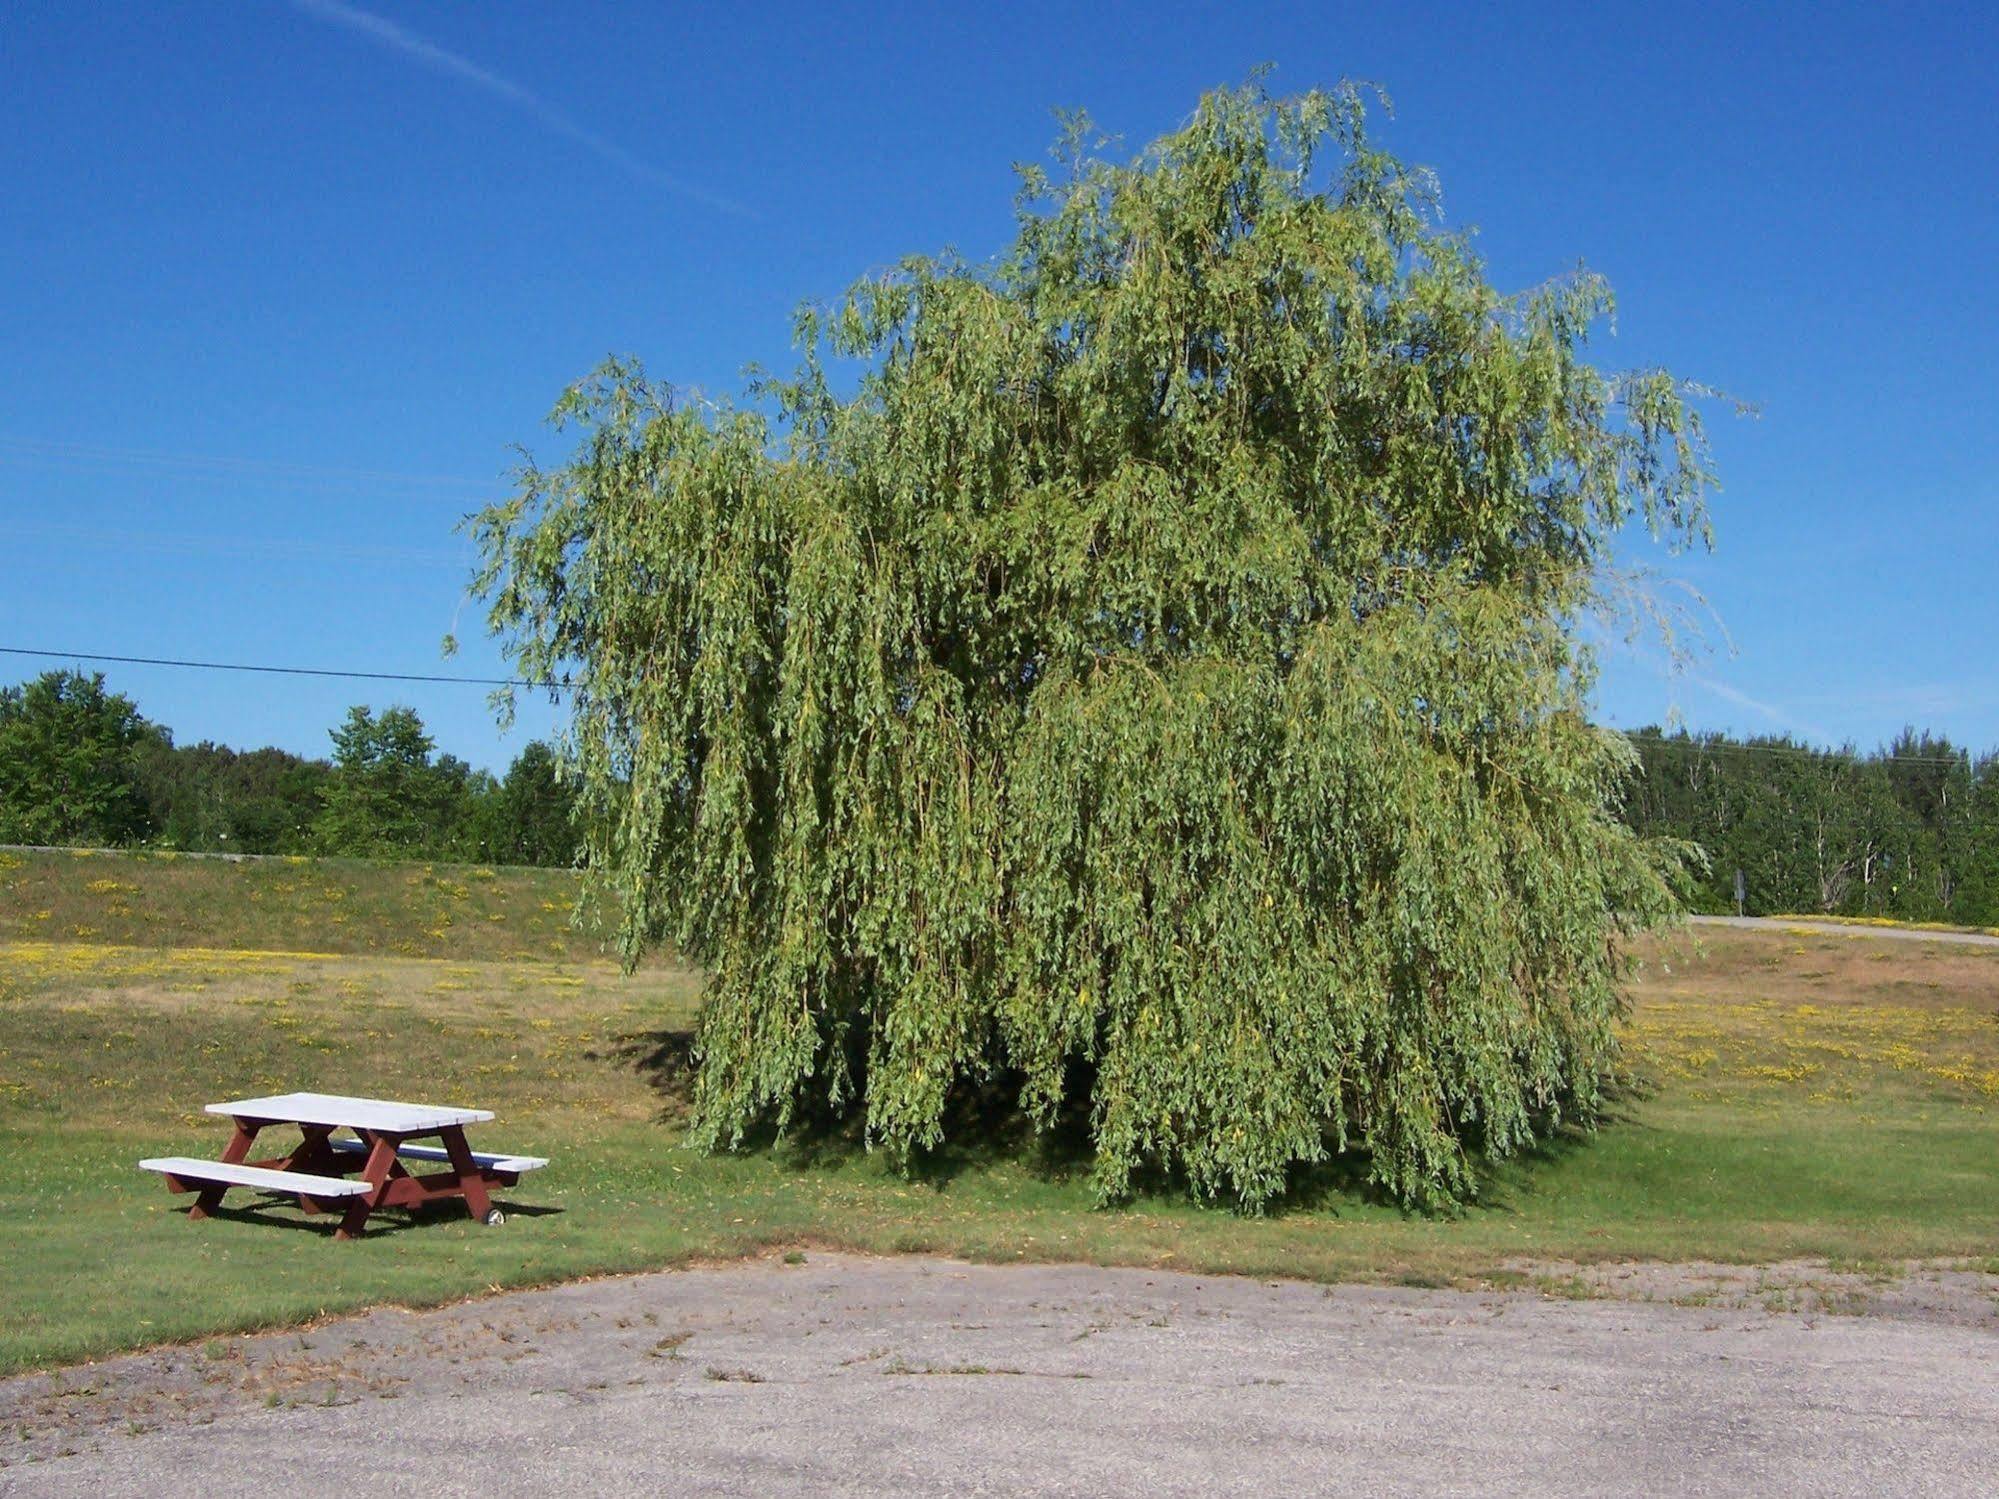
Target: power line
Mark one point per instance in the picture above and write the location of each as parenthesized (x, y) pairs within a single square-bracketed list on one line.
[(286, 671), (1696, 746)]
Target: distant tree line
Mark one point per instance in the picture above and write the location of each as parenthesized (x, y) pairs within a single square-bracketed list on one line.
[(1909, 831), (80, 765)]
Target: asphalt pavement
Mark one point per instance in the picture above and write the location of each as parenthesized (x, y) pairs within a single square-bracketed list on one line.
[(858, 1376)]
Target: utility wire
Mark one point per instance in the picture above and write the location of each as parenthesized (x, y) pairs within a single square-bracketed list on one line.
[(1692, 745), (286, 671)]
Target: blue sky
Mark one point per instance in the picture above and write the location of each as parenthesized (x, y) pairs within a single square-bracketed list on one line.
[(284, 282)]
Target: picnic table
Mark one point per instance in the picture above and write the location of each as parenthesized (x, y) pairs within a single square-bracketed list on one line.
[(354, 1173)]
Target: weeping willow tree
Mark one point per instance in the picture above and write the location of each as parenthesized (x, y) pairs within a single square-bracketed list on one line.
[(1154, 690)]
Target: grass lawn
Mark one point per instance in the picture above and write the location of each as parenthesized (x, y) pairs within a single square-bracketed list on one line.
[(1794, 1095), (291, 905)]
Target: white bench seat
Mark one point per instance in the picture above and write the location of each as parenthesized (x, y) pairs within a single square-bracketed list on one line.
[(221, 1173), (484, 1161)]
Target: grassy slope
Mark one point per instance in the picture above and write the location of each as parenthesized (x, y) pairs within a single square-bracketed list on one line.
[(1799, 1095), (291, 905)]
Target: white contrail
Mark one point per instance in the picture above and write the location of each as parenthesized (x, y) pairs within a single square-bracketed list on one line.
[(1782, 717), (387, 33)]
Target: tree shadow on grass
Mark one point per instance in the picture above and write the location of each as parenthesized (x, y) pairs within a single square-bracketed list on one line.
[(984, 1127), (983, 1124), (664, 1059)]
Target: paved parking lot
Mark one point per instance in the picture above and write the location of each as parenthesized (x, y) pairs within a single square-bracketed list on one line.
[(849, 1375)]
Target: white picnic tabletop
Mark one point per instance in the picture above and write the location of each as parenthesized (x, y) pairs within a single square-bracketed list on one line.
[(356, 1113)]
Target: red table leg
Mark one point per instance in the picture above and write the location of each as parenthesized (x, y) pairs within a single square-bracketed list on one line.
[(209, 1198), (471, 1179), (239, 1144), (313, 1156), (381, 1163)]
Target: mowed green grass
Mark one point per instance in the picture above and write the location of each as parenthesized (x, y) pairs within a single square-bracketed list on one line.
[(1792, 1095)]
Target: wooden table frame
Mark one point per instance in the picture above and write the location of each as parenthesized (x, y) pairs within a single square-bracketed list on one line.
[(393, 1183)]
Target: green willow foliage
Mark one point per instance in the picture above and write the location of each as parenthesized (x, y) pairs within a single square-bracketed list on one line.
[(1153, 688)]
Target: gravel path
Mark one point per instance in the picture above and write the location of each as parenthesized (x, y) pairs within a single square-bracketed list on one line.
[(850, 1375)]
